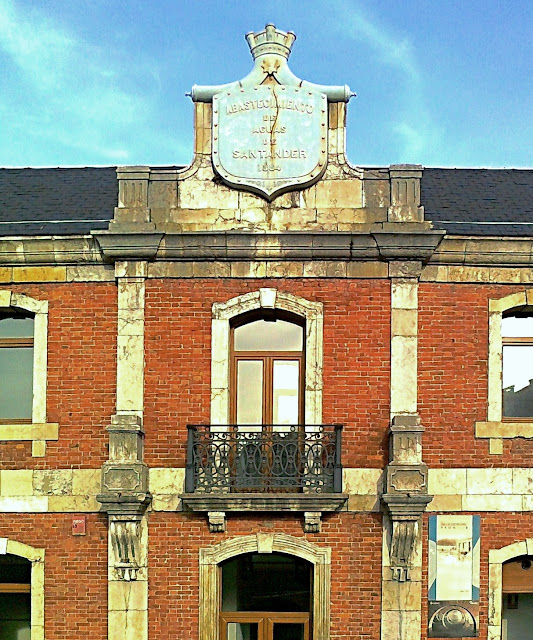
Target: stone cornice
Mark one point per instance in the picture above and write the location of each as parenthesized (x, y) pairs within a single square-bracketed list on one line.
[(380, 244)]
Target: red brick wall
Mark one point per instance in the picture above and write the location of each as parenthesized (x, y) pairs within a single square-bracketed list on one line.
[(355, 541), (356, 360), (497, 530), (75, 571), (453, 376), (82, 325)]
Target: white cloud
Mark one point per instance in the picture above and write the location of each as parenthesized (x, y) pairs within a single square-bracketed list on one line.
[(76, 93), (413, 123)]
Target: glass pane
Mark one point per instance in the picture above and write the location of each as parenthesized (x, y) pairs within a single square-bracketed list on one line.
[(249, 391), (266, 582), (517, 327), (14, 569), (16, 390), (242, 631), (13, 327), (286, 386), (268, 336), (15, 616), (288, 631), (518, 622), (518, 381)]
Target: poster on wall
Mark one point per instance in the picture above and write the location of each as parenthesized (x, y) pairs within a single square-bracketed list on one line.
[(453, 576)]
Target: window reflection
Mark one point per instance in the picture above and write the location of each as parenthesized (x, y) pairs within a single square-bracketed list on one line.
[(517, 365)]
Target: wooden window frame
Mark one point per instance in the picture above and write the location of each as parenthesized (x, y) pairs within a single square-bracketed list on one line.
[(267, 357), (265, 621), (515, 341), (17, 343)]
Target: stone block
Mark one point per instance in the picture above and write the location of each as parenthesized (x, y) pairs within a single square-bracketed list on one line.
[(403, 374), (363, 503), (127, 595), (16, 482), (73, 504), (6, 275), (366, 270), (400, 625), (446, 482), (24, 504), (52, 482), (489, 481), (90, 273), (248, 269), (404, 294), (401, 596), (404, 322), (39, 274), (362, 481), (38, 448), (130, 322), (339, 194), (446, 503), (205, 194), (86, 482), (166, 503), (492, 503), (167, 481)]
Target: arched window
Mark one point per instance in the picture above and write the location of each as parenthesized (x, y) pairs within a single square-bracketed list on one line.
[(265, 596), (267, 370), (517, 604)]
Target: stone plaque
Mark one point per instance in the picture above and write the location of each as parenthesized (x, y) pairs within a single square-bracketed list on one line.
[(270, 138)]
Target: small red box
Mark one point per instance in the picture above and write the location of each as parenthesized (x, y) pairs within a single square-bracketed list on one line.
[(79, 525)]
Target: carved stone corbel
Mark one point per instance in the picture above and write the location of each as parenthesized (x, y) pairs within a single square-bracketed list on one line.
[(125, 495), (312, 521), (406, 495), (125, 539), (217, 521)]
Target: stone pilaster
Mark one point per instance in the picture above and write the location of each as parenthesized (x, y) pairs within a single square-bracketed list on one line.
[(125, 495), (405, 494)]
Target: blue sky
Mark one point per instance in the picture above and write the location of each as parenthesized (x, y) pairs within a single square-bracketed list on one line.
[(103, 82)]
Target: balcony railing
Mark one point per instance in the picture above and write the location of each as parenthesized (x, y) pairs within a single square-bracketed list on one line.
[(268, 458)]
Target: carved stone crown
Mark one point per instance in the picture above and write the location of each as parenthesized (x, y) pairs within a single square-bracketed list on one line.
[(269, 41)]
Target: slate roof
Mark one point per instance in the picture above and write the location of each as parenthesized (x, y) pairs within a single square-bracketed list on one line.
[(65, 201), (484, 202), (75, 201)]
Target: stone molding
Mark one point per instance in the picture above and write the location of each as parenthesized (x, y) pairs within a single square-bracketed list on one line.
[(36, 557), (212, 557), (269, 298), (495, 427), (217, 504), (39, 425)]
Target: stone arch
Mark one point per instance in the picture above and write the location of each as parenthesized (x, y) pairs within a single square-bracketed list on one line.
[(266, 298), (496, 559), (211, 557), (36, 557)]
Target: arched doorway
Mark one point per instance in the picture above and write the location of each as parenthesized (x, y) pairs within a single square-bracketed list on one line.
[(15, 597), (517, 601), (316, 558), (265, 597)]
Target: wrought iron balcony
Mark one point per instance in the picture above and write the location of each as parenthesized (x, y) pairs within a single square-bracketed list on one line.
[(264, 459)]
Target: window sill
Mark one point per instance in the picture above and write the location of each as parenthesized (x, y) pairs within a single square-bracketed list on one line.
[(497, 431), (504, 429), (38, 433)]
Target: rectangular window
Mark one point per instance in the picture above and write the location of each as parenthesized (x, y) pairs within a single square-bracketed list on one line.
[(517, 356), (16, 368)]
